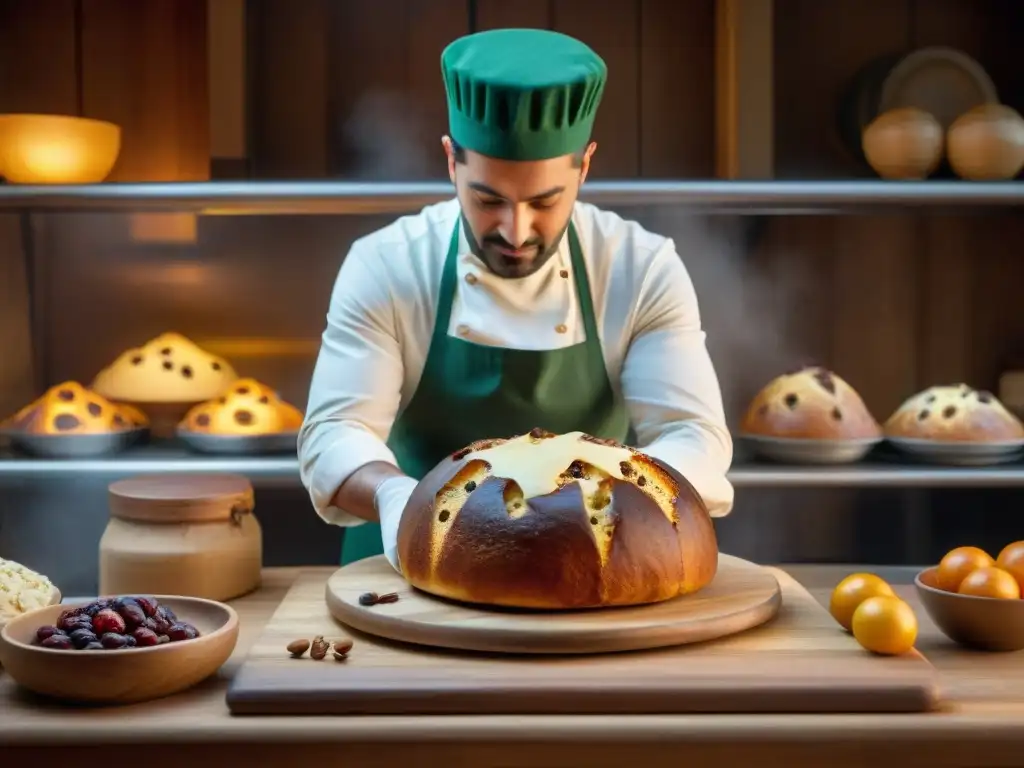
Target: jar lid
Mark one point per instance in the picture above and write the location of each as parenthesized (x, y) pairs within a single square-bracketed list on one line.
[(198, 498)]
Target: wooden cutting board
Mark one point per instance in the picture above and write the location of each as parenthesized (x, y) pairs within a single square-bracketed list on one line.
[(799, 662), (741, 596)]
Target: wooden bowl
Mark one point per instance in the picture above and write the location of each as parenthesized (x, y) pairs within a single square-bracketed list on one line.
[(983, 623), (904, 143), (57, 149), (987, 143), (122, 676)]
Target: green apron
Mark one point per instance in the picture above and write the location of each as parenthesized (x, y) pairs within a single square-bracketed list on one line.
[(471, 392)]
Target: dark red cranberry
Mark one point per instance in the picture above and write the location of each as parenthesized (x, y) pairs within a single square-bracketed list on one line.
[(108, 621), (70, 620), (130, 642), (145, 637), (82, 637), (182, 631), (114, 640), (166, 614), (44, 632), (148, 605), (96, 606), (131, 613), (60, 642), (160, 625)]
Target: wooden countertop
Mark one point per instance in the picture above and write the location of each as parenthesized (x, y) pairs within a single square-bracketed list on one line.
[(982, 723)]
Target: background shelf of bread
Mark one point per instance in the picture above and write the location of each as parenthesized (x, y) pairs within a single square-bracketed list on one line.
[(812, 416), (167, 387)]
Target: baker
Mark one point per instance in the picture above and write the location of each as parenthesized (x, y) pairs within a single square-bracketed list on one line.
[(510, 307)]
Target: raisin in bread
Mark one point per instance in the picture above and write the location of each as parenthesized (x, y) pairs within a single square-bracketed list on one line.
[(69, 409), (812, 403), (556, 521), (954, 413), (247, 408), (167, 369)]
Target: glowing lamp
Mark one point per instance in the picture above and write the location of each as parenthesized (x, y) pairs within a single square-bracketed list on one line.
[(56, 149)]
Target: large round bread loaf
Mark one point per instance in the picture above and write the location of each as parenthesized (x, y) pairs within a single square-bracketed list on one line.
[(811, 403), (954, 413), (556, 521)]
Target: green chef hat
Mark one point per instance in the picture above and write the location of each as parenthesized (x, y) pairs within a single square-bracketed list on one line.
[(522, 94)]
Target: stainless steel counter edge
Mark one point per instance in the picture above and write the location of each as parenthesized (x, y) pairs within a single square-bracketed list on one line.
[(285, 470), (351, 197)]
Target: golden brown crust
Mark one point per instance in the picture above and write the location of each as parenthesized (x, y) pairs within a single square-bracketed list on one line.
[(955, 413), (247, 408), (71, 409), (812, 403), (636, 534)]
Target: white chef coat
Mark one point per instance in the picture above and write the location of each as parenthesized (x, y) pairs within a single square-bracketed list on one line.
[(381, 318)]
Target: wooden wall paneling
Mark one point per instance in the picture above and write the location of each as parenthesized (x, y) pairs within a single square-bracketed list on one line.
[(37, 57), (677, 131), (226, 57), (950, 262), (812, 71), (144, 68), (988, 31), (502, 14), (287, 62), (388, 109), (996, 340), (17, 369), (875, 300), (744, 84), (433, 24), (612, 28)]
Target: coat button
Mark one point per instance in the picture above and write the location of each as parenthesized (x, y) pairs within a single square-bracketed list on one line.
[(471, 278), (561, 328), (463, 330)]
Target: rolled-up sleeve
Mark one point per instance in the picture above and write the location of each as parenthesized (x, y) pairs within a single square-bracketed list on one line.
[(670, 385), (356, 387)]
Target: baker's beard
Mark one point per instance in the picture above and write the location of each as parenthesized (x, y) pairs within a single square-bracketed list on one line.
[(486, 249)]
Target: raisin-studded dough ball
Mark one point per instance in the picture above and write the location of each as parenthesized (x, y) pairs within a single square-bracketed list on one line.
[(69, 409), (556, 522), (812, 403), (247, 408), (168, 369), (954, 413)]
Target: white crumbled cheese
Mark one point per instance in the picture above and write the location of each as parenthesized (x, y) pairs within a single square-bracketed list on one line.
[(22, 590)]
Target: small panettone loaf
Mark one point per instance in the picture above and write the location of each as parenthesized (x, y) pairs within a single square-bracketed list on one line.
[(247, 408), (168, 369), (812, 403), (71, 409), (554, 522), (954, 413)]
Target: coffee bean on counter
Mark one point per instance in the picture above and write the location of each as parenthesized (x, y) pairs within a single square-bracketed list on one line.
[(298, 647), (319, 648), (342, 646)]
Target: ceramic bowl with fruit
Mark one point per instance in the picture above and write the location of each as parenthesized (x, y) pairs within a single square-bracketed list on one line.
[(118, 650), (975, 599)]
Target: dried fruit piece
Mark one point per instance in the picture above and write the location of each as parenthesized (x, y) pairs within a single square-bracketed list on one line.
[(108, 621), (319, 647), (340, 656), (145, 637), (82, 637), (114, 640), (182, 631), (298, 647), (148, 605), (368, 598), (392, 597), (58, 642), (44, 632), (343, 646)]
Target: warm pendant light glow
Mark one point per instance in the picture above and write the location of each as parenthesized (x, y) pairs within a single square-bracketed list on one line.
[(56, 149)]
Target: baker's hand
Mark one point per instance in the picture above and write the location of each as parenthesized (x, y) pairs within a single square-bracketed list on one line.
[(389, 500)]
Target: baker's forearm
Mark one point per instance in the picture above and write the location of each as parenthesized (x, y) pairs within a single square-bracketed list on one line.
[(355, 495)]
